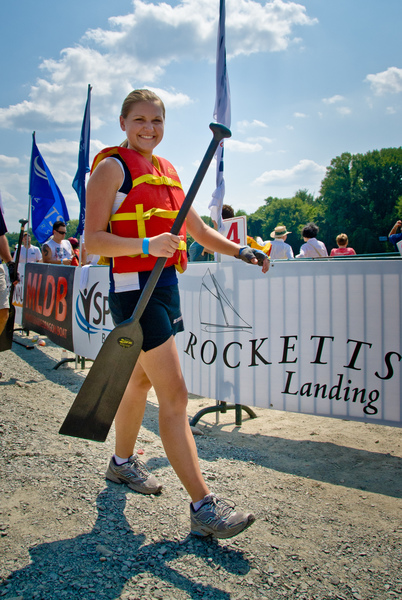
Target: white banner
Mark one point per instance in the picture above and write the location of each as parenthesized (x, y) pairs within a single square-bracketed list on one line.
[(92, 321), (316, 337)]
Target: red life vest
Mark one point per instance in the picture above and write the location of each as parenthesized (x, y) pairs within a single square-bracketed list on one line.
[(149, 209)]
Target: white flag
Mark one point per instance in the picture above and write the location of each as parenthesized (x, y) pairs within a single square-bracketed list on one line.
[(221, 115)]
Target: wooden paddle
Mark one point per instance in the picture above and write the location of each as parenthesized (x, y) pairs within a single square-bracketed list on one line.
[(6, 337), (95, 406)]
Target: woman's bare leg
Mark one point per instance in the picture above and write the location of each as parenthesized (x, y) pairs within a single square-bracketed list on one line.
[(131, 412), (162, 367)]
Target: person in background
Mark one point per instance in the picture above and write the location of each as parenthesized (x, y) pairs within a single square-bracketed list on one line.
[(29, 253), (312, 248), (134, 245), (279, 248), (342, 250), (75, 261), (227, 213), (5, 255), (196, 252), (395, 237), (57, 250)]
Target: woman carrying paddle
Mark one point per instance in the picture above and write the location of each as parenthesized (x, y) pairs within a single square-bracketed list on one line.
[(132, 200)]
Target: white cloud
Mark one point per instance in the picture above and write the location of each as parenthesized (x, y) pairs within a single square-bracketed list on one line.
[(9, 162), (344, 110), (299, 115), (189, 28), (390, 110), (137, 48), (333, 99), (262, 139), (59, 147), (171, 99), (245, 125), (237, 146), (303, 174), (386, 82)]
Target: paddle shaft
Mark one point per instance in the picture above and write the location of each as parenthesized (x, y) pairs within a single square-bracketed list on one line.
[(17, 256), (220, 132)]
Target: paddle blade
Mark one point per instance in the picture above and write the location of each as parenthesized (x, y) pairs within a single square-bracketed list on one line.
[(96, 404), (6, 338)]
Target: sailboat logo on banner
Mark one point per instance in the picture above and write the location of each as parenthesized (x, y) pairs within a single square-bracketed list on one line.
[(217, 313)]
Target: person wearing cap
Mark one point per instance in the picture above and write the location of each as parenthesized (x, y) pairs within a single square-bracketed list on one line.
[(279, 248), (75, 261)]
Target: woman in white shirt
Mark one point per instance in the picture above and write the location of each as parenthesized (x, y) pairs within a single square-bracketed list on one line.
[(312, 248)]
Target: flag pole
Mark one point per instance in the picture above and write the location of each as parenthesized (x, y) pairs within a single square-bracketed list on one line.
[(83, 167), (29, 195), (222, 114)]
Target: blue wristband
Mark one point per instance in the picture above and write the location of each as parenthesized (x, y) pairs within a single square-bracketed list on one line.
[(145, 246)]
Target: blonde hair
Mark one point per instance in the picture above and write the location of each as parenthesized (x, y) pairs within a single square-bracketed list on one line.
[(139, 96), (342, 239)]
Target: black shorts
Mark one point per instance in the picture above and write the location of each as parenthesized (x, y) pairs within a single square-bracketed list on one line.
[(161, 318)]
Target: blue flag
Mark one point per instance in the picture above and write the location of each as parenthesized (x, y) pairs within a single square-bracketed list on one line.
[(83, 163), (221, 115), (47, 202)]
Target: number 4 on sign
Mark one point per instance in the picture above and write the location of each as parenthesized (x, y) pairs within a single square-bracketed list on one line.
[(235, 230), (233, 233)]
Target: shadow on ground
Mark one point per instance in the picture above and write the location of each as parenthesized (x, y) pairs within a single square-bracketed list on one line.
[(323, 461), (99, 564)]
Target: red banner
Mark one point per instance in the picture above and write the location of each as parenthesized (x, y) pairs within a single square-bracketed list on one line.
[(48, 302)]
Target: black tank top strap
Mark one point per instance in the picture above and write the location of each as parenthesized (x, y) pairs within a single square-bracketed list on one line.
[(128, 182)]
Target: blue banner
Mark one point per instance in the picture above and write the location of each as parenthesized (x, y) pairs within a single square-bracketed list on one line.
[(47, 202), (83, 163)]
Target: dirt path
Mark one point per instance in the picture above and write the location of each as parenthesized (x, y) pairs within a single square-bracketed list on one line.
[(326, 494)]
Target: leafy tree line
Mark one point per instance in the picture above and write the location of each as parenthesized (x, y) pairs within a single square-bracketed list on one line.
[(13, 237), (360, 195)]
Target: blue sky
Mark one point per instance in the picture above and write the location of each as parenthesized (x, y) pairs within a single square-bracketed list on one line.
[(309, 80)]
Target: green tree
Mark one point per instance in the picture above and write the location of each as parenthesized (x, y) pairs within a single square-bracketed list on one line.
[(13, 237), (360, 194), (294, 213)]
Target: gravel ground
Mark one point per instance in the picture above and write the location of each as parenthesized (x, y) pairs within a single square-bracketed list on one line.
[(326, 494)]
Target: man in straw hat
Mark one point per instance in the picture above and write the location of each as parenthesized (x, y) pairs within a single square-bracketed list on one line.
[(279, 247)]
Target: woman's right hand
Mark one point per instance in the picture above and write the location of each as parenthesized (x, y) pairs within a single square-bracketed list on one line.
[(164, 244)]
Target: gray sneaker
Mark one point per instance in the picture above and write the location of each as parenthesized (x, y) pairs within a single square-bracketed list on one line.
[(135, 474), (218, 518)]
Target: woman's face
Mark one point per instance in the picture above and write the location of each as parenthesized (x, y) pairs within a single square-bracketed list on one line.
[(144, 127)]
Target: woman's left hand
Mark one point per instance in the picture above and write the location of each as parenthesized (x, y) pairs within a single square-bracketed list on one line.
[(254, 257)]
